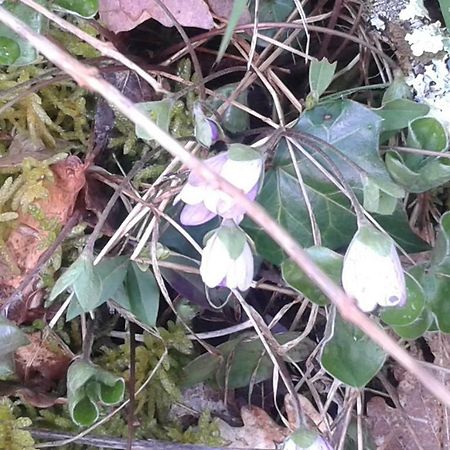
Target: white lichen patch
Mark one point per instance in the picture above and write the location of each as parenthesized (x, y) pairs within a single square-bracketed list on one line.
[(415, 8), (426, 39), (432, 86)]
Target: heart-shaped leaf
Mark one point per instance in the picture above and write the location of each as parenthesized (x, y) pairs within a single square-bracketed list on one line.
[(349, 355)]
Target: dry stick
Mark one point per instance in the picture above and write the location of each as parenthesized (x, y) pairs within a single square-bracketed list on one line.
[(88, 77), (106, 48)]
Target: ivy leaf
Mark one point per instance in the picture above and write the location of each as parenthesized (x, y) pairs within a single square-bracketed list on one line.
[(241, 361), (330, 262), (349, 355), (417, 328), (27, 54), (352, 131)]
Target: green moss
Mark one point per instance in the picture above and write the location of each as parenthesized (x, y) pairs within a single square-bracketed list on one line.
[(54, 112), (12, 435)]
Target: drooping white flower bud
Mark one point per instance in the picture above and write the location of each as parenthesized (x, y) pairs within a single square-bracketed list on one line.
[(227, 259), (242, 166), (372, 272), (304, 439)]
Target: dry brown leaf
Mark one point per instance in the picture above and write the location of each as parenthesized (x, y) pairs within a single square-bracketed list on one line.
[(43, 362), (422, 422), (259, 430), (124, 15), (24, 245)]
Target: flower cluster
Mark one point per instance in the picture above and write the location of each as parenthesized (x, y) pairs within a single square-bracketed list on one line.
[(372, 273), (227, 258)]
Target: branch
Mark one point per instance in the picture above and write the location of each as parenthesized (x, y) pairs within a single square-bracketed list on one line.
[(89, 78)]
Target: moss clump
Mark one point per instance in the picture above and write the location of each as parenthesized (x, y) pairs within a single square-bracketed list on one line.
[(12, 435)]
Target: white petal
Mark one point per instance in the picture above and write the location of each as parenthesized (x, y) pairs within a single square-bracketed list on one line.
[(395, 287), (247, 275), (192, 195), (215, 262), (361, 277), (243, 174)]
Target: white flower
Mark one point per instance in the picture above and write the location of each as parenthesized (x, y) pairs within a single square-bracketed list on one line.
[(372, 272), (304, 439), (242, 166), (227, 259)]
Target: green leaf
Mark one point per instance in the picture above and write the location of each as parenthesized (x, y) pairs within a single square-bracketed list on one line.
[(432, 173), (83, 8), (417, 328), (397, 225), (353, 132), (78, 374), (83, 411), (241, 152), (330, 262), (159, 112), (111, 395), (349, 355), (320, 76), (271, 11), (112, 272), (87, 384), (67, 279), (236, 13), (34, 20), (427, 133), (397, 114), (234, 119), (445, 10), (409, 313), (241, 361), (143, 295), (397, 90), (11, 337), (441, 251), (88, 285), (9, 51)]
